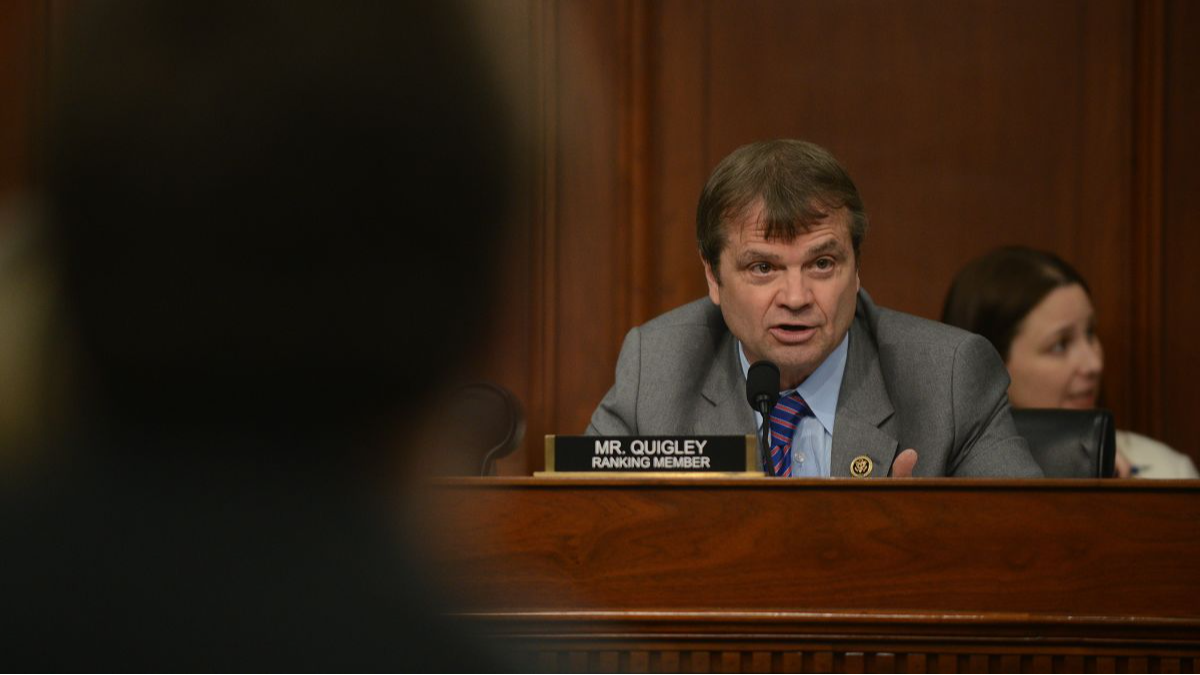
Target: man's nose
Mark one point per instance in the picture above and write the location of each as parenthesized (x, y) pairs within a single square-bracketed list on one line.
[(795, 292)]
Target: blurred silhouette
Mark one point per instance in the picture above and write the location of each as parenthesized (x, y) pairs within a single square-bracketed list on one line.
[(276, 226)]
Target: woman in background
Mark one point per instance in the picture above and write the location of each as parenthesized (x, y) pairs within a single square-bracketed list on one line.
[(1037, 311)]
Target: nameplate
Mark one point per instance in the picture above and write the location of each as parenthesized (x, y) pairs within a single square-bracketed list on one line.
[(624, 455)]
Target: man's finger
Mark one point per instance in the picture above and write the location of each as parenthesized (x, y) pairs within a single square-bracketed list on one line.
[(902, 467)]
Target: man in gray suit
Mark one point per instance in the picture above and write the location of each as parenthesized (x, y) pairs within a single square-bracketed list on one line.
[(866, 391)]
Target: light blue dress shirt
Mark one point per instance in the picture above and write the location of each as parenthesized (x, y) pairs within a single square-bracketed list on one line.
[(812, 442)]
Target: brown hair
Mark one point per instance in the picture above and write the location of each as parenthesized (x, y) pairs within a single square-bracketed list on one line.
[(798, 182), (994, 293)]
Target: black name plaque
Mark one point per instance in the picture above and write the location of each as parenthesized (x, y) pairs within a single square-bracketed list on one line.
[(717, 455)]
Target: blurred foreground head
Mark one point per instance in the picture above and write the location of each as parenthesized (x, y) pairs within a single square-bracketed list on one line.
[(276, 223), (277, 217)]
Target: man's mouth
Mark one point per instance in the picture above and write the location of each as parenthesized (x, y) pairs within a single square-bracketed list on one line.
[(792, 333)]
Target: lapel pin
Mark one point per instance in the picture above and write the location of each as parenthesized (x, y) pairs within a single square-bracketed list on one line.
[(860, 467)]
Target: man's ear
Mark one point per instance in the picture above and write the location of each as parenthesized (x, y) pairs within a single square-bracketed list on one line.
[(714, 285), (857, 281)]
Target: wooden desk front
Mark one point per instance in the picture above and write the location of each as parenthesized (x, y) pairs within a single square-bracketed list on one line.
[(770, 575)]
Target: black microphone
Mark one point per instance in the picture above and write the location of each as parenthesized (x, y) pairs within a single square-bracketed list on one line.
[(762, 392)]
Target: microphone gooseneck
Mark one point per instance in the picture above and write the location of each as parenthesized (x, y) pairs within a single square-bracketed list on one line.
[(762, 393)]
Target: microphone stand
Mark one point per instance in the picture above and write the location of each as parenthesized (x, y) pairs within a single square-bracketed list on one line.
[(764, 408), (762, 392)]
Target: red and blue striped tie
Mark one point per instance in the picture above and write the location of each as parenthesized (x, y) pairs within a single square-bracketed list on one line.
[(784, 419)]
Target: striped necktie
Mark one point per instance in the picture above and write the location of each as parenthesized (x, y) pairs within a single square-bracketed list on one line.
[(784, 419)]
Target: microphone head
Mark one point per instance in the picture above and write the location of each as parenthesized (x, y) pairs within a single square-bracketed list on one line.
[(762, 384)]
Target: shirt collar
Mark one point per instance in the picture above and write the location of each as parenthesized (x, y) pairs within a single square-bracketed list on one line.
[(820, 390)]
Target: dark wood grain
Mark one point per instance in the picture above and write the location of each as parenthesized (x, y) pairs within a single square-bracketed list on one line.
[(23, 44), (1077, 548), (679, 150), (914, 576), (1181, 235), (1146, 323)]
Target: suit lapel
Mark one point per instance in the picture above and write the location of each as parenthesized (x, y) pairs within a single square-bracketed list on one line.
[(722, 389), (863, 406)]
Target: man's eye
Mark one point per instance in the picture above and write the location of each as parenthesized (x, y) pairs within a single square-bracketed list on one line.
[(760, 268), (1060, 347), (824, 264)]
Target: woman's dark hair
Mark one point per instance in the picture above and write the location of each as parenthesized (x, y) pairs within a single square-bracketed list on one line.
[(994, 293)]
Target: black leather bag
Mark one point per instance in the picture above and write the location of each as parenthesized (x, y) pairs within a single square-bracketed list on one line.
[(1070, 443)]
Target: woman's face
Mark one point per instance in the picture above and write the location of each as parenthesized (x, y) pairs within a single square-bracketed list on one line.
[(1055, 359)]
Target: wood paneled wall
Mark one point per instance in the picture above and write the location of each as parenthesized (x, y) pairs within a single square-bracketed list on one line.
[(1066, 125), (22, 24), (1178, 300)]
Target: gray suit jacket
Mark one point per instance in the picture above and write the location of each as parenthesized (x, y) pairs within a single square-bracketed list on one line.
[(909, 383)]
